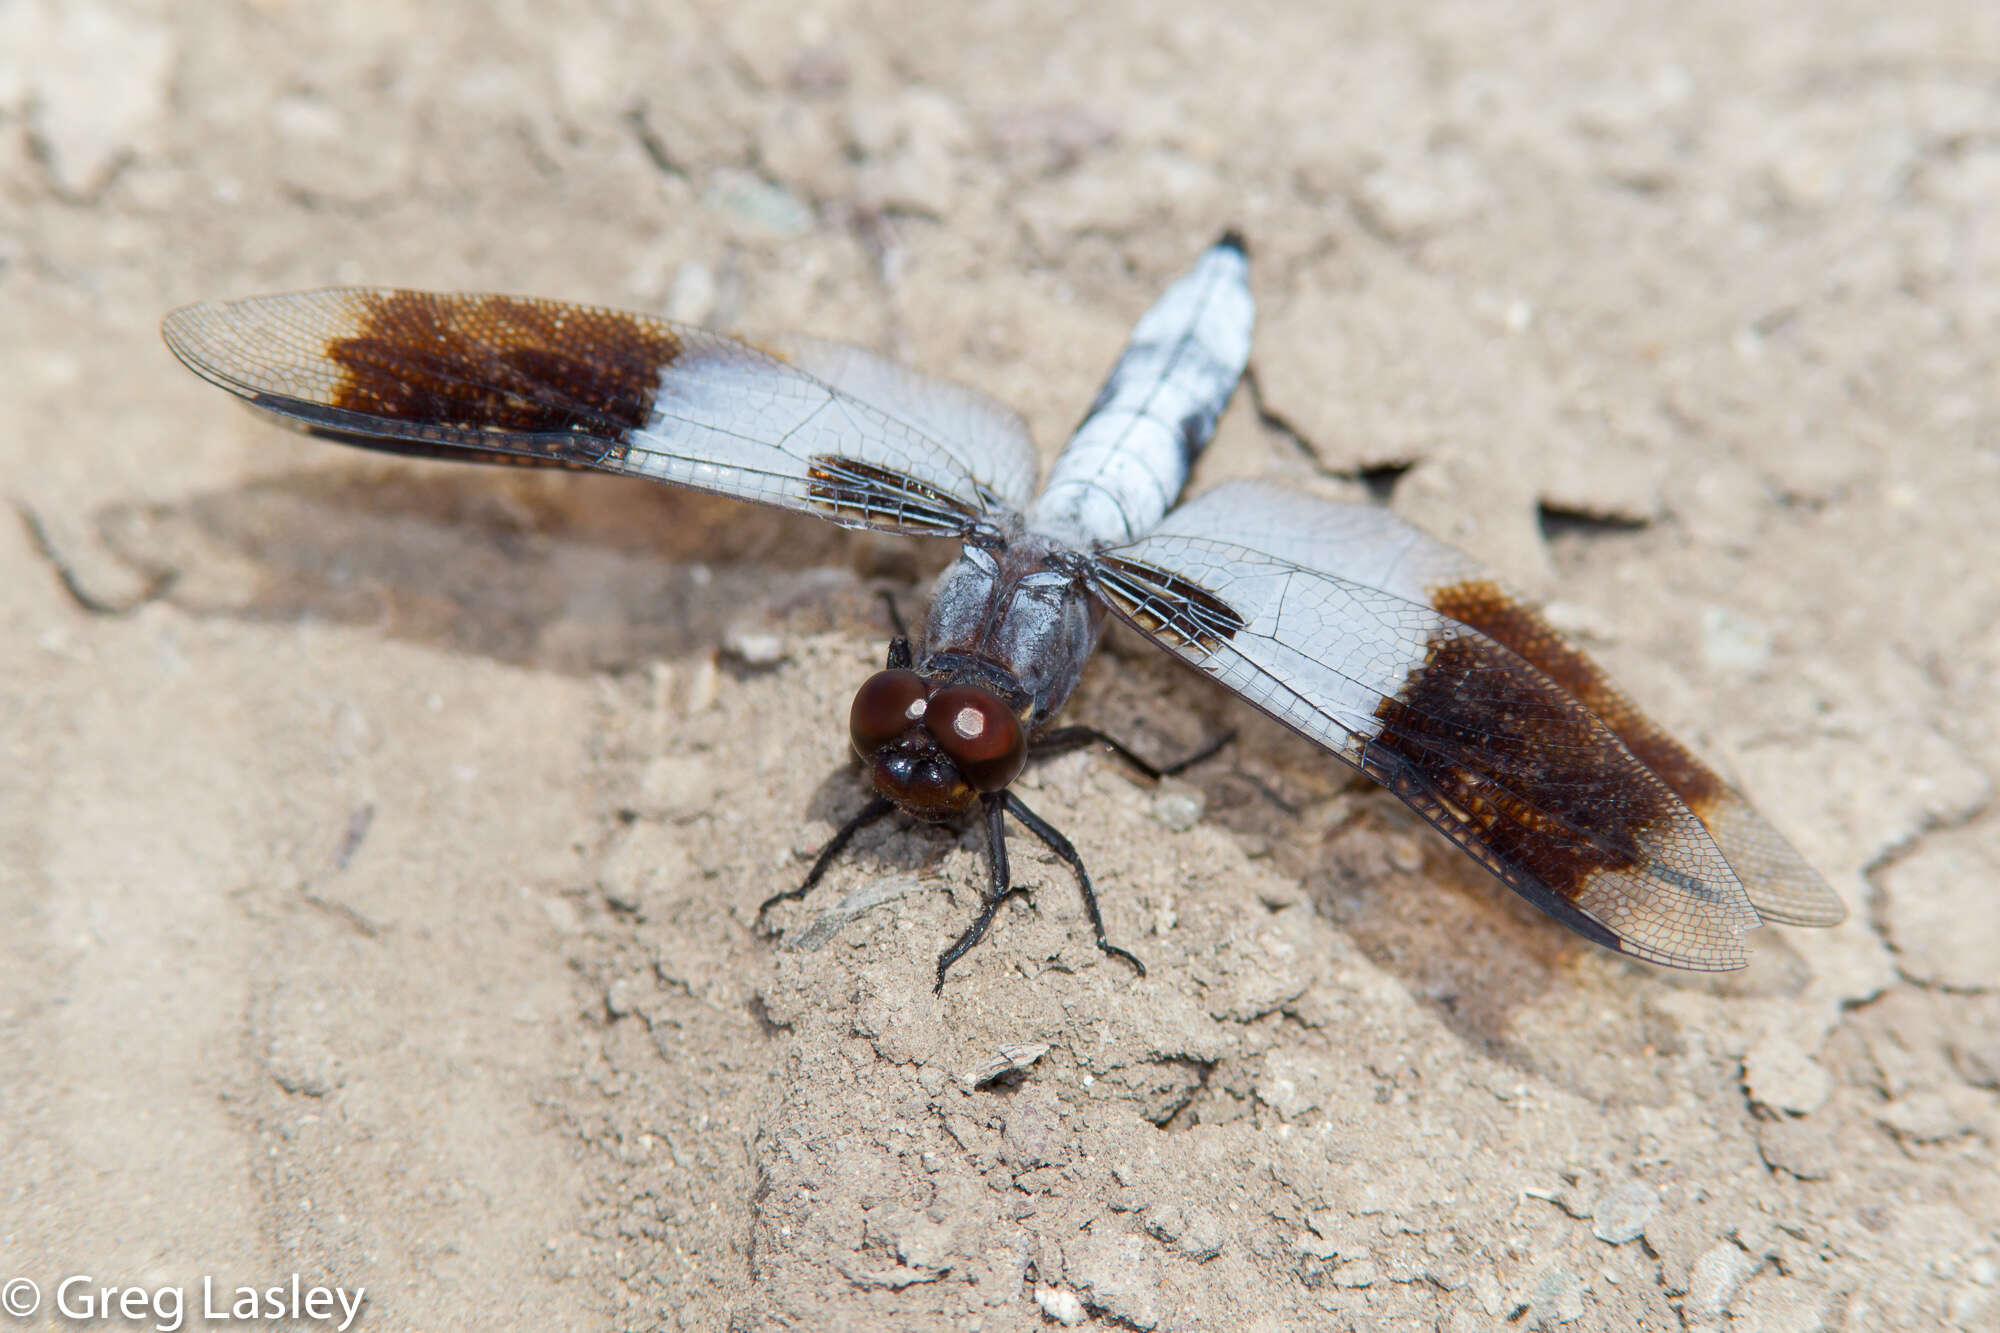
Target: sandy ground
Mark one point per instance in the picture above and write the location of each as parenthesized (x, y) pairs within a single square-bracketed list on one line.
[(380, 844)]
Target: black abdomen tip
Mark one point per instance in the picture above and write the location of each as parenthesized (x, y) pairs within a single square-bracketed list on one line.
[(1234, 240)]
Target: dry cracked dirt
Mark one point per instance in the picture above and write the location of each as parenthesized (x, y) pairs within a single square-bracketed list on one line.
[(380, 843)]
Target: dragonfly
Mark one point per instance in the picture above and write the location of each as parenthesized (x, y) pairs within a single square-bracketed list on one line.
[(1388, 648)]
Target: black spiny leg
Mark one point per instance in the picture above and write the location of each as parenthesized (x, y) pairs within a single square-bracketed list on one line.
[(1065, 739), (996, 805), (869, 813), (1060, 845)]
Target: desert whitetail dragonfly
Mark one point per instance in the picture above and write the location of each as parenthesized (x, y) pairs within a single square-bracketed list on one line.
[(1383, 645)]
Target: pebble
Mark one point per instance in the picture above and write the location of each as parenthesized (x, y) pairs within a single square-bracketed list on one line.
[(1976, 1055), (1937, 907), (1061, 1305), (1557, 1298), (753, 647), (1116, 1271), (1032, 1132), (1620, 1215), (302, 1066), (100, 75), (1779, 1074), (765, 206), (1801, 1148), (1178, 806), (1195, 1232), (1713, 1281), (622, 997), (1924, 1117), (1733, 641), (1012, 1058)]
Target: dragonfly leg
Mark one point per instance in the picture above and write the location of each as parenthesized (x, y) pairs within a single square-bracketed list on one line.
[(835, 845), (1065, 739), (1002, 889), (895, 614), (1061, 846)]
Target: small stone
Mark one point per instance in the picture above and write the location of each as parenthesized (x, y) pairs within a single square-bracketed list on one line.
[(1713, 1281), (1015, 1057), (1924, 1117), (1117, 1273), (561, 914), (1976, 1056), (1779, 1075), (1937, 906), (647, 866), (101, 76), (752, 646), (693, 297), (1621, 1214), (1030, 1136), (767, 207), (302, 1066), (910, 150), (1411, 205), (920, 1243), (704, 687), (1778, 1306), (1801, 1148), (1178, 806), (1289, 1085), (1733, 641), (1061, 1305), (1359, 1273), (1202, 1235), (1315, 1246), (622, 997), (677, 786), (1557, 1298)]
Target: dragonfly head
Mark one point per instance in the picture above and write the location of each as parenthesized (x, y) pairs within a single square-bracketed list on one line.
[(934, 748)]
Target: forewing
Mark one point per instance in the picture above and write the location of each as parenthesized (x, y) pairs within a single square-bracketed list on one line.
[(984, 431), (1393, 651), (512, 379)]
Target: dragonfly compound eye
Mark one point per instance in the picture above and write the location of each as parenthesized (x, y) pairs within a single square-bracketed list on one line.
[(888, 704), (978, 733)]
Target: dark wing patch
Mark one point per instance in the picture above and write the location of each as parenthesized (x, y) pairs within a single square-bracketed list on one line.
[(1495, 755), (505, 363), (1777, 879), (458, 376)]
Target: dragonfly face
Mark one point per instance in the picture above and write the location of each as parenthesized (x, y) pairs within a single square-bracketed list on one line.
[(934, 749), (1387, 648)]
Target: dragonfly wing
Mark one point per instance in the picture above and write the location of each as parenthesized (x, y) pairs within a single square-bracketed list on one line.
[(981, 428), (511, 379), (1395, 652)]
